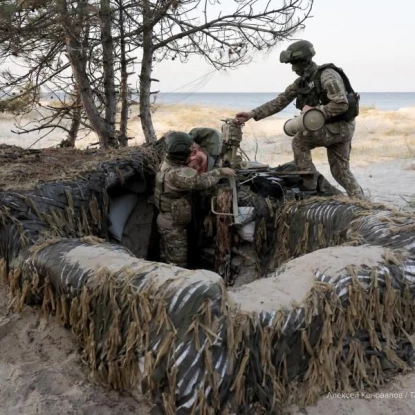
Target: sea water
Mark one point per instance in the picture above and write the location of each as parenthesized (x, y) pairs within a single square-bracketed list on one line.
[(245, 101)]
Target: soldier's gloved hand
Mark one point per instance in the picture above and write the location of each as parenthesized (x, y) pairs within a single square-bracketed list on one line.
[(226, 171), (306, 108), (243, 116)]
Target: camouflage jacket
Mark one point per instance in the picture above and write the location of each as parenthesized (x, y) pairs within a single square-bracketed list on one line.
[(175, 181), (331, 82)]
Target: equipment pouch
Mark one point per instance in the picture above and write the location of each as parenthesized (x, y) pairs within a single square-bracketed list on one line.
[(181, 212), (353, 110)]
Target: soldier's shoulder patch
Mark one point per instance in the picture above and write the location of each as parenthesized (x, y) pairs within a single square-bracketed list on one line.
[(332, 81), (333, 87), (186, 172)]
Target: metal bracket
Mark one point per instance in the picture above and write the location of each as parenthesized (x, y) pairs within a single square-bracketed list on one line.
[(212, 208), (235, 209)]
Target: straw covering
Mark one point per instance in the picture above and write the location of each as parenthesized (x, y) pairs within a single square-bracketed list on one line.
[(177, 333)]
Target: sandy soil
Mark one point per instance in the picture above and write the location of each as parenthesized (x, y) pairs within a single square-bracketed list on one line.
[(396, 398), (40, 367), (41, 371), (390, 182)]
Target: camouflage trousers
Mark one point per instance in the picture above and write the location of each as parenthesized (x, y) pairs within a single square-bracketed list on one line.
[(337, 139), (173, 242)]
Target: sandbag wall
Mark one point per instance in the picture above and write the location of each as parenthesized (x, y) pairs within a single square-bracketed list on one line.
[(308, 225), (67, 209), (176, 334)]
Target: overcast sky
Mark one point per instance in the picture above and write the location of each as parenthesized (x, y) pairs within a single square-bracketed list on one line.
[(372, 40)]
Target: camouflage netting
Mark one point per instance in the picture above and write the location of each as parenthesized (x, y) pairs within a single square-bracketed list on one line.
[(316, 223), (73, 207), (24, 169), (177, 333)]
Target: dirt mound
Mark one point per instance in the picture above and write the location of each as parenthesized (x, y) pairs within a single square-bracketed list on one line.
[(23, 169)]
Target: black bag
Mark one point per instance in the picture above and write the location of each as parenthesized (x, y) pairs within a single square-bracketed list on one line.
[(268, 186)]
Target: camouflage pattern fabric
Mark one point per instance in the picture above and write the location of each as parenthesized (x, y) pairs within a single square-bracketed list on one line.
[(338, 146), (173, 242), (175, 333), (279, 103), (333, 84), (336, 136), (318, 223), (182, 179), (178, 182)]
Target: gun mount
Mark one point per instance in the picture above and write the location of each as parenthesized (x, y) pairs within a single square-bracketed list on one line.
[(231, 140)]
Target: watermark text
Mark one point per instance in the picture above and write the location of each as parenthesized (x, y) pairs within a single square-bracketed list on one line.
[(371, 395)]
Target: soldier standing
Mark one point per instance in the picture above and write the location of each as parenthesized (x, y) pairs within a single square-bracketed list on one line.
[(322, 87), (174, 184)]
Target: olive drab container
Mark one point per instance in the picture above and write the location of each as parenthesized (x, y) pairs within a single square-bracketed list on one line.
[(312, 120)]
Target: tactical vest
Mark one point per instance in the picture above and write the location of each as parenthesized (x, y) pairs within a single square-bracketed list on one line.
[(311, 93), (162, 199)]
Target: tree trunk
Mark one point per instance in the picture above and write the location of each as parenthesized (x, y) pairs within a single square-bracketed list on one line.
[(76, 121), (145, 77), (77, 58), (123, 87), (108, 69)]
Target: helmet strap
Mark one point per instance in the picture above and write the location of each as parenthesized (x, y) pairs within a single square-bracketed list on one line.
[(177, 158)]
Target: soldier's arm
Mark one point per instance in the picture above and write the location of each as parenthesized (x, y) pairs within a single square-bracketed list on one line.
[(277, 104), (333, 84), (187, 178)]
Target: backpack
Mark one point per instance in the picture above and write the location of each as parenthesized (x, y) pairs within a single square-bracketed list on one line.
[(316, 96)]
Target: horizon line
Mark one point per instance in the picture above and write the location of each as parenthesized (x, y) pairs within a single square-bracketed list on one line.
[(274, 92)]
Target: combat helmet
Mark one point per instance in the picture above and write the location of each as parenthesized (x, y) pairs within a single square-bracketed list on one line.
[(178, 144), (302, 50)]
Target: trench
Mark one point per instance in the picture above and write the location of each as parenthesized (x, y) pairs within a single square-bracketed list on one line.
[(241, 250), (178, 334)]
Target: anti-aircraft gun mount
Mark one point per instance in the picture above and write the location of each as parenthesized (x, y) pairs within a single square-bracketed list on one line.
[(284, 180), (231, 140), (240, 210), (284, 175)]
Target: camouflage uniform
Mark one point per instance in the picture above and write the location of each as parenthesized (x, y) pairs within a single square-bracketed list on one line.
[(335, 136), (174, 184)]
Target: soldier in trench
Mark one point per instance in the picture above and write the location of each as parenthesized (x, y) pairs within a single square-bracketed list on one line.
[(174, 183)]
